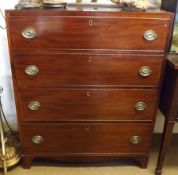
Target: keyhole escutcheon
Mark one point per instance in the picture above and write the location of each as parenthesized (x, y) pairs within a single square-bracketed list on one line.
[(90, 22)]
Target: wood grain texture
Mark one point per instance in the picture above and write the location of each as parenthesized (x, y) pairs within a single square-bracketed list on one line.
[(85, 138), (76, 33), (87, 69), (166, 139), (88, 81), (139, 159), (87, 104)]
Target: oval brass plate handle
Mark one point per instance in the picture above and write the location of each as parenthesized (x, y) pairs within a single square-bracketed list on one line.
[(31, 70), (145, 71), (37, 139), (34, 105), (135, 140), (29, 33), (140, 106), (150, 35)]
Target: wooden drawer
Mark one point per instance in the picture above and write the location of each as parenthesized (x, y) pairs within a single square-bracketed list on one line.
[(83, 69), (87, 104), (89, 32), (85, 138)]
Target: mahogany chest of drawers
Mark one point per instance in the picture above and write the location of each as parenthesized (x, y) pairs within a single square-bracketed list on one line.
[(87, 81)]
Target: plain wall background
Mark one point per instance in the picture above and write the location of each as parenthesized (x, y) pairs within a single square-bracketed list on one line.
[(6, 78), (5, 72)]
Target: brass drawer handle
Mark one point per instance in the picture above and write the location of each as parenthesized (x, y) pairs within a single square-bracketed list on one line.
[(150, 35), (135, 140), (145, 71), (34, 105), (140, 106), (37, 139), (29, 33), (31, 70)]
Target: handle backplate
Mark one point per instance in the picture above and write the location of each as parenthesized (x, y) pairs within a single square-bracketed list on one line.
[(31, 70), (135, 140), (150, 35), (34, 105), (29, 33), (140, 106), (37, 139), (145, 71)]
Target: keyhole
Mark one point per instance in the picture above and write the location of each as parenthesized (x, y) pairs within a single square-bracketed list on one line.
[(88, 94), (90, 59), (90, 22), (87, 128)]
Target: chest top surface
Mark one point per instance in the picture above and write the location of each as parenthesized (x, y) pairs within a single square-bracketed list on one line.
[(85, 10), (90, 28)]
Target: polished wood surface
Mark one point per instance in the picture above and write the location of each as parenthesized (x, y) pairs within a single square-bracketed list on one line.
[(86, 138), (88, 69), (169, 107), (87, 104), (88, 81), (77, 33)]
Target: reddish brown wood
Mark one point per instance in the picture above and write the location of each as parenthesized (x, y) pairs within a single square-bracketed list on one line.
[(142, 160), (80, 160), (168, 128), (169, 107), (85, 138), (85, 69), (87, 104), (106, 32), (69, 118), (27, 160)]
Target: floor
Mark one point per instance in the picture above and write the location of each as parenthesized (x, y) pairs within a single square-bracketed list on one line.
[(119, 168)]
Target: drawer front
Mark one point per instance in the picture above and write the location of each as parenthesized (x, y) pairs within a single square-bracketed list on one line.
[(85, 138), (87, 104), (82, 69), (88, 33)]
